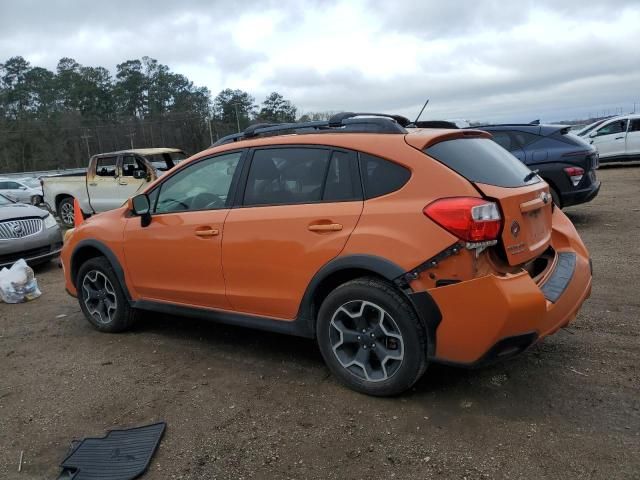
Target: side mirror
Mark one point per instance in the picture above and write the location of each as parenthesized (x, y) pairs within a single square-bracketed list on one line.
[(142, 208), (139, 174), (593, 134), (22, 187)]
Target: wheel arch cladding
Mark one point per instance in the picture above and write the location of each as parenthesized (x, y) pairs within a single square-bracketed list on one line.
[(88, 249), (344, 269)]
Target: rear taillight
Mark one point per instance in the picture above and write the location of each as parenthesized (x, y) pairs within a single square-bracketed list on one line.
[(575, 174), (468, 218)]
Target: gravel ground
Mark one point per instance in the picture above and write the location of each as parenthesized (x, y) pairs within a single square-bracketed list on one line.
[(246, 404)]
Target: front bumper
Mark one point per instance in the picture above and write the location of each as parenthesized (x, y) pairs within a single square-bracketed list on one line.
[(496, 316), (34, 249)]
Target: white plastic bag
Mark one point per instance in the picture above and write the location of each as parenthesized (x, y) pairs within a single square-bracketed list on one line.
[(18, 283)]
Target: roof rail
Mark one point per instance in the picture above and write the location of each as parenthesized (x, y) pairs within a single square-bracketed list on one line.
[(347, 122)]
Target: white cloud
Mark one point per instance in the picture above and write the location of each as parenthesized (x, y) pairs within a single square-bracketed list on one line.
[(491, 60)]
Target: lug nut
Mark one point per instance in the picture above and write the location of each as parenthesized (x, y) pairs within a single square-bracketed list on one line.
[(373, 335), (364, 346)]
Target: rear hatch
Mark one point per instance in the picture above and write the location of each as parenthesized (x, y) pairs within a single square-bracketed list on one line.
[(523, 198)]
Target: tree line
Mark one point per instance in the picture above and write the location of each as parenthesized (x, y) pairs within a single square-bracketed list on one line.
[(57, 119)]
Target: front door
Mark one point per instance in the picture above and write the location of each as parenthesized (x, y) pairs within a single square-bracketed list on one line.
[(300, 205), (610, 139), (132, 178), (103, 185), (633, 139), (177, 257)]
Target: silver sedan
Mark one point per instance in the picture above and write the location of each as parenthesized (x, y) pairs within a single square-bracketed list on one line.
[(27, 232)]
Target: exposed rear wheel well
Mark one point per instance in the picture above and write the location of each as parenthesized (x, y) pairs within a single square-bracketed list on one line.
[(59, 198), (330, 283)]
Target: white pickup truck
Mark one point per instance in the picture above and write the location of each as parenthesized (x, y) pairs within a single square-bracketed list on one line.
[(110, 180)]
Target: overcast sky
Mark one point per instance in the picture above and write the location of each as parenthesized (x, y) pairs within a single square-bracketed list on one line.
[(476, 60)]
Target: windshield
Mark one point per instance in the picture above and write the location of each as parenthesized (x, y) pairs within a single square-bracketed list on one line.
[(589, 128), (30, 182)]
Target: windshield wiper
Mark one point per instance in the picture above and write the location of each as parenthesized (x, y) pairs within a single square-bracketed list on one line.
[(530, 175)]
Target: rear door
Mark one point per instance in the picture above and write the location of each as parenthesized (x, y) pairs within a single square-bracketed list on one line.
[(298, 208), (102, 185), (633, 138), (610, 139), (523, 197)]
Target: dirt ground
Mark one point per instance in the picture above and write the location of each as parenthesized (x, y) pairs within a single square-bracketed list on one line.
[(246, 404)]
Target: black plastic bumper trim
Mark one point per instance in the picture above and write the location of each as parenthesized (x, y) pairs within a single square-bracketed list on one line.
[(555, 286)]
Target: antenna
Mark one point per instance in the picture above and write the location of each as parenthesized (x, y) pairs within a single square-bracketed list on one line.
[(423, 107)]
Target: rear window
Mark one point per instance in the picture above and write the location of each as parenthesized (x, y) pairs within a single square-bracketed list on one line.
[(483, 161)]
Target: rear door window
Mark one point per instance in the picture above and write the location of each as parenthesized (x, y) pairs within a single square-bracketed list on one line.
[(481, 160), (380, 177)]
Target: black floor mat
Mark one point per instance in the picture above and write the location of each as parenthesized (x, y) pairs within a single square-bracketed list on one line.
[(119, 455)]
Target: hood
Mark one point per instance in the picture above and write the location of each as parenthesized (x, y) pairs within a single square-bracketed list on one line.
[(20, 210)]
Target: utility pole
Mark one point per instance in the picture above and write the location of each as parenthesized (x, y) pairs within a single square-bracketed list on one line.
[(130, 136), (86, 138), (235, 105), (210, 132)]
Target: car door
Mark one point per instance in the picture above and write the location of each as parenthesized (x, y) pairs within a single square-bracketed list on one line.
[(177, 257), (633, 138), (102, 186), (133, 175), (298, 208), (610, 138)]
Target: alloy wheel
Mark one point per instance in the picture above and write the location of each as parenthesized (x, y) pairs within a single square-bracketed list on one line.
[(99, 296), (366, 340), (66, 213)]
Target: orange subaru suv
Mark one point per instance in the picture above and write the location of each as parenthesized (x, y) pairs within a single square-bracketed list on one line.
[(392, 246)]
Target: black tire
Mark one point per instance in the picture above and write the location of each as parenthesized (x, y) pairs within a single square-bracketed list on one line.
[(382, 299), (36, 200), (65, 211), (102, 316), (555, 197)]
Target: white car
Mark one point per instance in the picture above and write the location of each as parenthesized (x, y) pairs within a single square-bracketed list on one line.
[(22, 190), (617, 139)]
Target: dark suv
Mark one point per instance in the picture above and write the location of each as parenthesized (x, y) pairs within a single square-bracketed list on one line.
[(564, 160)]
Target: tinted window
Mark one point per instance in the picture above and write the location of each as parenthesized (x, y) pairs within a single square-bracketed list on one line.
[(481, 160), (381, 176), (342, 180), (106, 167), (131, 164), (3, 186), (618, 126), (286, 176), (635, 125), (522, 139), (503, 139), (13, 186), (202, 186)]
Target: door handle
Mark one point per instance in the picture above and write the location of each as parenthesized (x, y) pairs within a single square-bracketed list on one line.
[(325, 227), (620, 138), (212, 232), (93, 184), (123, 183)]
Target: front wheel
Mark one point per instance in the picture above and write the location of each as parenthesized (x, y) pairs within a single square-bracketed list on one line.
[(101, 298), (371, 338)]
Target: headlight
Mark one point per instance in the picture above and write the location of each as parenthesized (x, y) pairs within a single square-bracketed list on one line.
[(50, 221)]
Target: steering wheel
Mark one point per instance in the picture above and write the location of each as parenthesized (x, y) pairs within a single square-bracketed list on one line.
[(206, 201), (178, 202)]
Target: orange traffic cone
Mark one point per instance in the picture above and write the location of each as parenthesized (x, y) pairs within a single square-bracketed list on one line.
[(78, 218)]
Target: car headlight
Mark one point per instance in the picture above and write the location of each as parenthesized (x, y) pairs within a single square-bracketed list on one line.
[(50, 221)]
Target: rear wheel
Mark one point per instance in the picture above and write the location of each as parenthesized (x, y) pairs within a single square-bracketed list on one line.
[(65, 211), (101, 298), (36, 200), (370, 337)]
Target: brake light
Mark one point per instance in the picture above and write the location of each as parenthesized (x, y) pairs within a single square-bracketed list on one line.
[(575, 174), (468, 218)]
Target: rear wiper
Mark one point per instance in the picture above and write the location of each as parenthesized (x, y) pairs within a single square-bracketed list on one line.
[(530, 175)]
